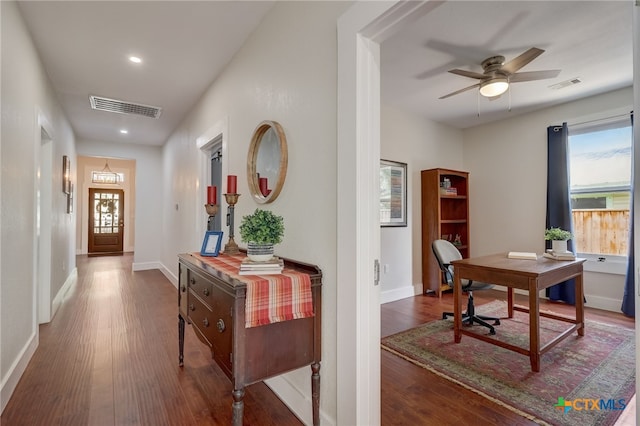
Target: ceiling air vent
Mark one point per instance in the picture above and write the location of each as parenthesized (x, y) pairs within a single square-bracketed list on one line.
[(565, 83), (122, 107)]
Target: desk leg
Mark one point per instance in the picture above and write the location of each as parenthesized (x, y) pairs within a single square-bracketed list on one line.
[(457, 309), (580, 304), (181, 340), (315, 392), (534, 326), (510, 300), (238, 406)]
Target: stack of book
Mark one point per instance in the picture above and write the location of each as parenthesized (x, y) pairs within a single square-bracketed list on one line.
[(449, 191), (269, 267), (565, 255)]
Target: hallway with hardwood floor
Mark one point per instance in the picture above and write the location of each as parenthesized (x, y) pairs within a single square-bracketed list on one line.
[(110, 357)]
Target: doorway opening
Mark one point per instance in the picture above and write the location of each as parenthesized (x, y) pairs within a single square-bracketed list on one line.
[(44, 208)]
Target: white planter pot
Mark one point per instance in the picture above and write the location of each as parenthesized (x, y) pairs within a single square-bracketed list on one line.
[(559, 246), (259, 252)]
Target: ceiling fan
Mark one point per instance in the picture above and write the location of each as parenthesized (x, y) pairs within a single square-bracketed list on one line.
[(497, 75)]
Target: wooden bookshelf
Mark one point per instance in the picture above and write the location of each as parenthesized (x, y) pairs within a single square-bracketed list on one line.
[(445, 215)]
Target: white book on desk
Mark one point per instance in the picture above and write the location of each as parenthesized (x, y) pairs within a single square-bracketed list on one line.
[(522, 255)]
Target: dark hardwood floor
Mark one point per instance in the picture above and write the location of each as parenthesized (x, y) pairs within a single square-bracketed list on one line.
[(110, 357)]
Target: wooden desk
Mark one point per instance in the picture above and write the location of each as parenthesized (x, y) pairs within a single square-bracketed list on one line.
[(213, 302), (529, 275)]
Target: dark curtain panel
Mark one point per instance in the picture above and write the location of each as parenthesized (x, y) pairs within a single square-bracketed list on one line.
[(559, 201), (629, 300)]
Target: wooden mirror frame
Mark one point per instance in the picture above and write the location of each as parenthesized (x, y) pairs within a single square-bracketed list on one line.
[(252, 161)]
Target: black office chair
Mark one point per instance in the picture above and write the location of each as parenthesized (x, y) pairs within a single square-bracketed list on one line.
[(445, 253)]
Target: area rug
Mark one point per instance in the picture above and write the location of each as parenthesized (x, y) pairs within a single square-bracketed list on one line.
[(583, 380)]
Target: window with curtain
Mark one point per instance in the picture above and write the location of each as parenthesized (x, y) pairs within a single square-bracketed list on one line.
[(600, 157)]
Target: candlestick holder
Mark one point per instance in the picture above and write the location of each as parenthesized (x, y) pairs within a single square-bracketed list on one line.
[(231, 247), (212, 211)]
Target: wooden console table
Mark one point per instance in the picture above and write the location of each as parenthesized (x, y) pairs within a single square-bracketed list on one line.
[(530, 275), (212, 297)]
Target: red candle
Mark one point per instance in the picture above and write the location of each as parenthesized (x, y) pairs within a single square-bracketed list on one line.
[(232, 182), (212, 195), (264, 186)]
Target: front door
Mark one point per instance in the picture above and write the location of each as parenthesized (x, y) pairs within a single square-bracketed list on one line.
[(106, 221)]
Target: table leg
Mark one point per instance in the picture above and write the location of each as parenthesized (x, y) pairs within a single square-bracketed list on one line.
[(238, 406), (534, 326), (181, 340), (457, 309), (580, 304), (510, 300), (315, 392)]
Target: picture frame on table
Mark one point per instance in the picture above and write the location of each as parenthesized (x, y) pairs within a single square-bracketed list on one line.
[(393, 193), (211, 243)]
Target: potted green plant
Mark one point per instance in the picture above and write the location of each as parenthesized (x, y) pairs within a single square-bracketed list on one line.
[(558, 238), (261, 230)]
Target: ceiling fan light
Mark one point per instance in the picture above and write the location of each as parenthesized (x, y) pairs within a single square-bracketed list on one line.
[(494, 87)]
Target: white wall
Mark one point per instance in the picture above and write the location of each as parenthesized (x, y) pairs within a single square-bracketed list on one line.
[(285, 72), (28, 102), (149, 196), (422, 144)]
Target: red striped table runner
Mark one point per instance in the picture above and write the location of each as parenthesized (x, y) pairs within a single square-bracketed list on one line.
[(270, 298)]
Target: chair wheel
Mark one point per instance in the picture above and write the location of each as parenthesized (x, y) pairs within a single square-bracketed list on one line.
[(444, 316), (497, 322), (492, 332)]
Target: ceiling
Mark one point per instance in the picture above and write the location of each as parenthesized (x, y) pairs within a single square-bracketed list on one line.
[(590, 40), (184, 45)]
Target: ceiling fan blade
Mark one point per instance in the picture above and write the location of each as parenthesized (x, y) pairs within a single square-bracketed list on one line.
[(516, 63), (470, 74), (533, 75), (459, 91)]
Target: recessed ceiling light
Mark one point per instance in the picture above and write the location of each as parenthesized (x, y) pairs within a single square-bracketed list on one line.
[(135, 59), (124, 131)]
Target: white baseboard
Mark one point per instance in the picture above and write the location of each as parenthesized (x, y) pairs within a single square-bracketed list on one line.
[(10, 381), (400, 293), (604, 303), (167, 273), (57, 301), (145, 266), (296, 400)]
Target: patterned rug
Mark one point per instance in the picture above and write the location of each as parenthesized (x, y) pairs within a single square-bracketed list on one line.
[(583, 380)]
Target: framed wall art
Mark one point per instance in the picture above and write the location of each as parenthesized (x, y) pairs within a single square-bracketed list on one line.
[(393, 193)]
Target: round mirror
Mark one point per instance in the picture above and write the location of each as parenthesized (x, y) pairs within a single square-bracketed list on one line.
[(267, 162)]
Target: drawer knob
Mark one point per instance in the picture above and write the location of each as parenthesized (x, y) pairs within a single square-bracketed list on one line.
[(220, 325), (205, 291), (192, 281), (191, 307), (205, 322), (183, 288)]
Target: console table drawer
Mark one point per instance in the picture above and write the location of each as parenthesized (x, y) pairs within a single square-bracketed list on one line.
[(201, 287), (201, 318)]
